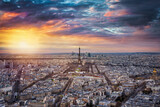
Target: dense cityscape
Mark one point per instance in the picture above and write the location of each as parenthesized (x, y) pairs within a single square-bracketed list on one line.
[(79, 53), (80, 80)]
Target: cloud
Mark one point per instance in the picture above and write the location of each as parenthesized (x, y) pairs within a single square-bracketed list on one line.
[(117, 13), (120, 21), (142, 11)]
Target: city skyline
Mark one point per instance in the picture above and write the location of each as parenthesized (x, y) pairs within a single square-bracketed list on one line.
[(61, 26)]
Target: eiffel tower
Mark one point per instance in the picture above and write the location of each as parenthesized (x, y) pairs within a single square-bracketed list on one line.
[(79, 56)]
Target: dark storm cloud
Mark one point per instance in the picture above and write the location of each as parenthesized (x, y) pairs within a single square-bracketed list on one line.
[(45, 10), (17, 21), (142, 11), (62, 7), (88, 15), (84, 31), (154, 32), (50, 16), (77, 30)]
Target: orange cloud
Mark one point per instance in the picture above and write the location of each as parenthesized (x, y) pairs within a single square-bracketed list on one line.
[(147, 27), (10, 15), (116, 13), (56, 25), (33, 40), (112, 0), (53, 28)]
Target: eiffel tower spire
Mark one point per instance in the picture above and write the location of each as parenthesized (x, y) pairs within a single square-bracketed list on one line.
[(79, 55)]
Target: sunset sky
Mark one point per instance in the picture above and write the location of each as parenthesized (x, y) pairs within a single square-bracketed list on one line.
[(60, 26)]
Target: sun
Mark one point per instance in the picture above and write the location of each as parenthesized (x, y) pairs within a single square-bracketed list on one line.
[(24, 45), (23, 41)]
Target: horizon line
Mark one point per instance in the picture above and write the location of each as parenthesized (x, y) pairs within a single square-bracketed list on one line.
[(77, 52)]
